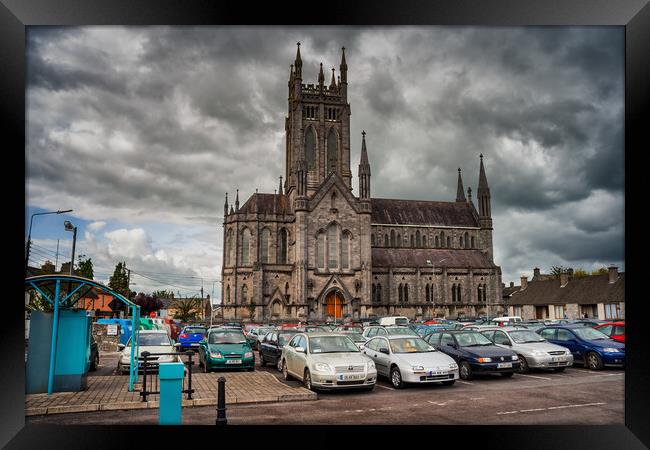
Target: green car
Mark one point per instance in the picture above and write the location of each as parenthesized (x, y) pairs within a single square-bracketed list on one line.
[(225, 348)]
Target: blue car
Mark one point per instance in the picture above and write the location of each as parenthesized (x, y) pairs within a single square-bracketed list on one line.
[(589, 346), (474, 353), (190, 338)]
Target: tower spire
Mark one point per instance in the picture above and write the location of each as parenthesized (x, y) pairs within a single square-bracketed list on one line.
[(298, 62), (343, 84), (237, 201), (460, 191), (280, 189), (333, 82), (321, 75), (364, 170), (469, 195), (225, 207), (483, 196)]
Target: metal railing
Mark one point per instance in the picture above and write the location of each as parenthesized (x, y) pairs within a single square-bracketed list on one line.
[(149, 365)]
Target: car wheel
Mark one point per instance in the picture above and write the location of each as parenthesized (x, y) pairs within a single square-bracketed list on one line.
[(396, 378), (306, 379), (448, 383), (560, 369), (285, 371), (507, 374), (262, 361), (594, 362), (523, 367), (465, 371), (278, 364)]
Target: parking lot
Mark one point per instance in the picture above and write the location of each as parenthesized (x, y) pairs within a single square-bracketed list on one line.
[(576, 397)]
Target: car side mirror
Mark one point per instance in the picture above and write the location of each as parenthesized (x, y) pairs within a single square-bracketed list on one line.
[(449, 344), (177, 344), (203, 341), (300, 350), (384, 350), (121, 347)]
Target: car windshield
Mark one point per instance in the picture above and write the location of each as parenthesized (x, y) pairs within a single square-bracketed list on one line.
[(284, 338), (409, 345), (316, 330), (525, 337), (399, 330), (590, 333), (153, 339), (356, 337), (226, 337), (472, 339), (332, 344), (263, 331)]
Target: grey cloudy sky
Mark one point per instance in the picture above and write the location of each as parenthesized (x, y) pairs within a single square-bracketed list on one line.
[(143, 129)]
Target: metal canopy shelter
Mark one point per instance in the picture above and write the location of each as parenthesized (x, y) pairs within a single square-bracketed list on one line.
[(42, 282)]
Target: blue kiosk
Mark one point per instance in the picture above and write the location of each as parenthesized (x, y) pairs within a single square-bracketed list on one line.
[(59, 342)]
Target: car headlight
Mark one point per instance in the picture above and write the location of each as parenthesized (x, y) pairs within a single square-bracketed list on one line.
[(538, 353), (484, 360), (515, 357), (417, 368), (322, 367), (215, 355), (371, 364), (453, 366), (611, 350), (248, 355)]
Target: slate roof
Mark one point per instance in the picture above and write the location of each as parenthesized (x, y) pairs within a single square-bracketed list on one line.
[(263, 204), (420, 212), (413, 257), (587, 290), (507, 291)]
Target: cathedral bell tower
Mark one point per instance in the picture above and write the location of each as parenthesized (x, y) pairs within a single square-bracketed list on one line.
[(317, 130)]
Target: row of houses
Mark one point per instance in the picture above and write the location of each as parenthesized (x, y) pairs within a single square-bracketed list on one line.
[(547, 296)]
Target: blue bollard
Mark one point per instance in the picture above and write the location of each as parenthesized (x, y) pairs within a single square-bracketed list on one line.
[(171, 393)]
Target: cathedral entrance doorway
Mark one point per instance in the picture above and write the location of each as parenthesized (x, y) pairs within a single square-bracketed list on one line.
[(333, 305)]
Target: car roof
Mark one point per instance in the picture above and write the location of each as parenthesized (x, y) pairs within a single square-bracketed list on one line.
[(564, 325), (490, 328), (153, 332)]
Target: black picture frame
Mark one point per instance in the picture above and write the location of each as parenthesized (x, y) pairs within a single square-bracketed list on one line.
[(634, 15)]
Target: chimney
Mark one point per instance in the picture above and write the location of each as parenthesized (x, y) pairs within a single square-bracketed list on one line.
[(613, 274), (536, 274), (524, 282), (564, 278), (512, 284)]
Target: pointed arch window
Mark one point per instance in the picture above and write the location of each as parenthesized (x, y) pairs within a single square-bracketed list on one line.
[(453, 293), (448, 241), (345, 251), (392, 238), (473, 243), (264, 246), (437, 242), (427, 293), (282, 253), (310, 148), (229, 247), (228, 294), (460, 242), (332, 151), (332, 246), (458, 299), (466, 240), (245, 247), (424, 240), (386, 240), (400, 290), (399, 240), (412, 241), (378, 292), (320, 250), (479, 292), (418, 239), (406, 292), (374, 293), (244, 294), (442, 239)]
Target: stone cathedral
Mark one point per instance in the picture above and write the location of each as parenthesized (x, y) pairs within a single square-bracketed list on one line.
[(315, 251)]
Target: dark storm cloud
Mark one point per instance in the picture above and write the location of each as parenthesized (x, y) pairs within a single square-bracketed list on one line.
[(165, 120)]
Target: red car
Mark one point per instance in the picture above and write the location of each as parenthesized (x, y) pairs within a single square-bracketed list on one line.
[(615, 330)]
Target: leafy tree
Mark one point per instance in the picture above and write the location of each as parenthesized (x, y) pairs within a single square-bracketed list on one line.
[(601, 271), (580, 272), (557, 270), (119, 281), (85, 267), (47, 267), (38, 303), (163, 294), (187, 309), (251, 310), (147, 303)]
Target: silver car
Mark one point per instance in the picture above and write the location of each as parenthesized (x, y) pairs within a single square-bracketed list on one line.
[(534, 351), (327, 361), (410, 359), (381, 330)]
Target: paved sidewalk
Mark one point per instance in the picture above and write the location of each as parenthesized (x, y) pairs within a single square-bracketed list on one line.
[(112, 393)]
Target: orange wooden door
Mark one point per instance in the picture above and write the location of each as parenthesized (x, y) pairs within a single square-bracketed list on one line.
[(333, 304)]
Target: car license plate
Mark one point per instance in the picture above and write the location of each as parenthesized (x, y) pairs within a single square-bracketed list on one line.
[(559, 358), (504, 365), (343, 377), (233, 361), (433, 373), (194, 344)]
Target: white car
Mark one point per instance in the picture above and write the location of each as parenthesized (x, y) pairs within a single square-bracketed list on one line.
[(152, 341), (327, 361), (410, 359)]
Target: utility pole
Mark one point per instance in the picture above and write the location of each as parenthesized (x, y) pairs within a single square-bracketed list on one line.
[(56, 262), (202, 302)]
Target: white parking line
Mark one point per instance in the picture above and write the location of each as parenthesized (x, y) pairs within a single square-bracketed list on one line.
[(464, 382), (550, 408), (575, 406), (385, 387), (534, 376)]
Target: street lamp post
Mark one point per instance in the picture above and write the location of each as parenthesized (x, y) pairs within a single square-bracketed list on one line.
[(29, 235), (69, 227)]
